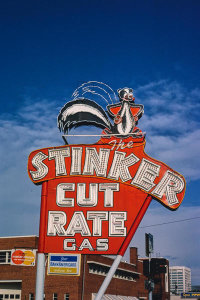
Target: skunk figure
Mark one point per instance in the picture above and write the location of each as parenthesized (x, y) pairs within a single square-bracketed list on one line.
[(83, 111), (126, 113)]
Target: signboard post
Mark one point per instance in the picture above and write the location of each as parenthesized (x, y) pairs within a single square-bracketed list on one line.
[(95, 195), (40, 277), (40, 272)]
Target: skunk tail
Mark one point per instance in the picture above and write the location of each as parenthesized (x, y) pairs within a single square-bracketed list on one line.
[(82, 112)]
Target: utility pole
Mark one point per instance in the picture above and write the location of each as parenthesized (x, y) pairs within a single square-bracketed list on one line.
[(149, 250)]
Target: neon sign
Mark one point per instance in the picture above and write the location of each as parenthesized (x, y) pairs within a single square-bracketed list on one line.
[(94, 193)]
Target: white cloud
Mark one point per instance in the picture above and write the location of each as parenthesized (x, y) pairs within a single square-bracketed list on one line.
[(172, 125), (181, 153), (172, 97), (173, 136), (32, 127)]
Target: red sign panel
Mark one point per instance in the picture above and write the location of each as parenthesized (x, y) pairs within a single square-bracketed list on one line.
[(95, 192)]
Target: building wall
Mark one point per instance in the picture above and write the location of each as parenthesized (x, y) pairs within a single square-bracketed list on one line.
[(27, 275), (161, 289), (128, 280)]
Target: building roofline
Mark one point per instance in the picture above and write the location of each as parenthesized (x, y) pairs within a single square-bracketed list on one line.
[(11, 281), (17, 236), (179, 267)]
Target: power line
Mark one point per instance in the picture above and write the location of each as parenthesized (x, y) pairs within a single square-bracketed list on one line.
[(169, 222)]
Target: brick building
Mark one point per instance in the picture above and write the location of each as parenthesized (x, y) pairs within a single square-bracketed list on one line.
[(18, 282), (160, 277)]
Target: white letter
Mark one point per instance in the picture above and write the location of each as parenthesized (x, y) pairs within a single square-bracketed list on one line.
[(56, 222), (86, 244), (108, 189), (76, 161), (170, 185), (97, 217), (102, 244), (68, 248), (59, 156), (120, 166), (42, 169), (60, 194), (93, 195), (78, 224), (146, 174), (96, 162), (116, 223)]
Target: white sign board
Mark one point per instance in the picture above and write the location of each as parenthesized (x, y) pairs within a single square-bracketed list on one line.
[(64, 264), (23, 257)]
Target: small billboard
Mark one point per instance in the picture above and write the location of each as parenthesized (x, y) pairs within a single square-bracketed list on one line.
[(23, 257), (148, 243), (64, 264)]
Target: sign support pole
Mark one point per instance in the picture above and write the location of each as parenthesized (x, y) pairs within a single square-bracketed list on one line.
[(39, 290), (149, 279), (40, 275), (108, 278), (123, 248)]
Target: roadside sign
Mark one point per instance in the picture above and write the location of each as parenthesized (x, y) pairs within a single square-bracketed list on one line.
[(64, 264), (148, 243), (23, 257), (93, 194)]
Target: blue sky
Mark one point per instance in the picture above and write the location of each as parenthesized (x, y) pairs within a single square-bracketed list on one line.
[(49, 48)]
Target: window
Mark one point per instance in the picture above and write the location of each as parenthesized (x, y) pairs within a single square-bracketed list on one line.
[(66, 297), (55, 296), (2, 257), (10, 296), (31, 296), (5, 257)]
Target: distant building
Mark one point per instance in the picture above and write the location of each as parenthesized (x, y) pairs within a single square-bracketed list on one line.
[(180, 279)]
